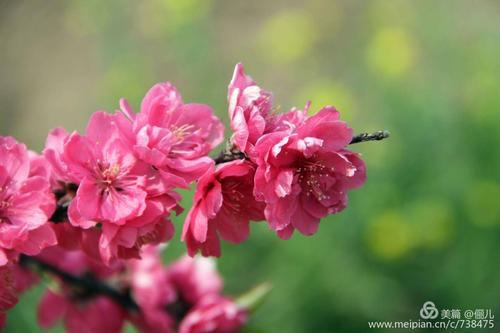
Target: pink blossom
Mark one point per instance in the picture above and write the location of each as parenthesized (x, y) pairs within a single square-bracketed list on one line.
[(26, 204), (249, 108), (185, 295), (250, 112), (152, 292), (287, 121), (304, 175), (194, 278), (126, 241), (124, 170), (174, 137), (152, 227), (111, 180), (223, 205), (116, 190), (214, 314), (166, 294)]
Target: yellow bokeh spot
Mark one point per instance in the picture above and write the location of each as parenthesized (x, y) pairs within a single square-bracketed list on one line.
[(390, 236), (325, 92), (391, 53), (481, 202), (287, 37)]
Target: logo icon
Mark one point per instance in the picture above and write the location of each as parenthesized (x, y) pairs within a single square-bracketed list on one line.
[(429, 311)]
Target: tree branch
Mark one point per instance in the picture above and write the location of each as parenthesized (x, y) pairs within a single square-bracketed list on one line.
[(87, 285), (230, 154), (364, 137)]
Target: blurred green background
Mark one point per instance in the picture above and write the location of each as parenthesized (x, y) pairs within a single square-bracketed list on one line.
[(426, 224)]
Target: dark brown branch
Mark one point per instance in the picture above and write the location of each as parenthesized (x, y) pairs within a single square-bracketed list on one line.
[(231, 154), (228, 156), (364, 137), (86, 284)]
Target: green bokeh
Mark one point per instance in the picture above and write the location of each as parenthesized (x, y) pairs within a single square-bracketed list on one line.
[(426, 226)]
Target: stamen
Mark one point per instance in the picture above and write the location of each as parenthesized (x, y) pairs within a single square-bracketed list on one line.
[(182, 131)]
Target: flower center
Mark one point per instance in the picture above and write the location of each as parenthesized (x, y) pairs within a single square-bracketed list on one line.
[(147, 238), (108, 174), (182, 131), (3, 206), (233, 197), (310, 175)]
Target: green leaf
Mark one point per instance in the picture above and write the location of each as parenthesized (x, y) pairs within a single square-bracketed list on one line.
[(252, 299)]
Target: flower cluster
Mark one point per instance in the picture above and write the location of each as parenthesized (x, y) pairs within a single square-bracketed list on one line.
[(296, 171), (189, 290), (184, 297), (98, 204), (125, 168)]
